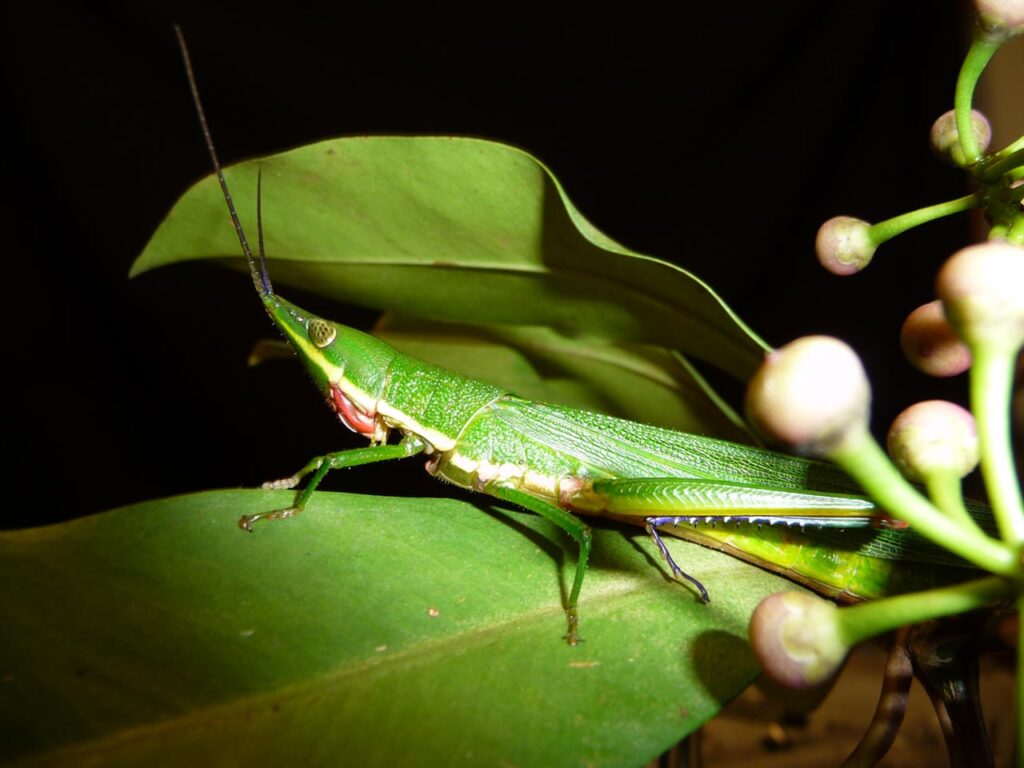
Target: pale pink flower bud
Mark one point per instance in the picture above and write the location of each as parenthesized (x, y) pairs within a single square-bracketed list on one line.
[(982, 292), (796, 638), (945, 140), (934, 437), (844, 245), (1003, 18), (930, 343), (810, 394)]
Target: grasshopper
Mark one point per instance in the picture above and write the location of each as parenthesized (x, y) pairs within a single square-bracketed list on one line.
[(560, 462)]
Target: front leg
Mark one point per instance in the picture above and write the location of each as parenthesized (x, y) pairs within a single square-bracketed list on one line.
[(320, 466)]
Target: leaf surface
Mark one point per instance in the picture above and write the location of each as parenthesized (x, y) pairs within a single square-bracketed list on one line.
[(369, 631)]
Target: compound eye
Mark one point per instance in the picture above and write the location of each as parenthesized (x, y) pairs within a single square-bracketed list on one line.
[(321, 333)]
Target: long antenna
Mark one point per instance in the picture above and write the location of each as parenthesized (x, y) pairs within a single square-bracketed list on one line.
[(258, 269)]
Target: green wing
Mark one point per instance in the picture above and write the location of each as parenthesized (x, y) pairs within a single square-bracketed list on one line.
[(627, 449)]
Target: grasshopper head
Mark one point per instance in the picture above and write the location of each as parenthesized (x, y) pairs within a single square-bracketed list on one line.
[(348, 367)]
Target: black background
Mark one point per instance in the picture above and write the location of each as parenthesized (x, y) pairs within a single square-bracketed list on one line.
[(720, 142)]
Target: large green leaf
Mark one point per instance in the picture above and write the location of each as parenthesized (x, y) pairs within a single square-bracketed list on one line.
[(368, 631), (459, 230)]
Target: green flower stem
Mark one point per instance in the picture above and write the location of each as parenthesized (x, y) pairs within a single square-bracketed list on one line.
[(888, 229), (945, 491), (867, 463), (857, 623), (1010, 148), (1017, 193), (998, 165), (977, 58), (998, 232), (991, 389), (1015, 232)]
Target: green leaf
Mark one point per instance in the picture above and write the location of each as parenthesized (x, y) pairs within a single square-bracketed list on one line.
[(452, 229), (367, 631)]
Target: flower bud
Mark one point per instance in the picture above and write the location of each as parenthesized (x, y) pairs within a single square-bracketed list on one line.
[(796, 638), (930, 343), (1001, 18), (982, 292), (844, 245), (934, 437), (810, 394), (945, 140)]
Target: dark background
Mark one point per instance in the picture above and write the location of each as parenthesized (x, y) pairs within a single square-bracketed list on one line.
[(720, 143)]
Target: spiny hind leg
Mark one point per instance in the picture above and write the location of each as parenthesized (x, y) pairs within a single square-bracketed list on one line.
[(629, 497), (700, 501), (320, 466)]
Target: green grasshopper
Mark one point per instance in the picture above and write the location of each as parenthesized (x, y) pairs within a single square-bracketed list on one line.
[(559, 462)]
